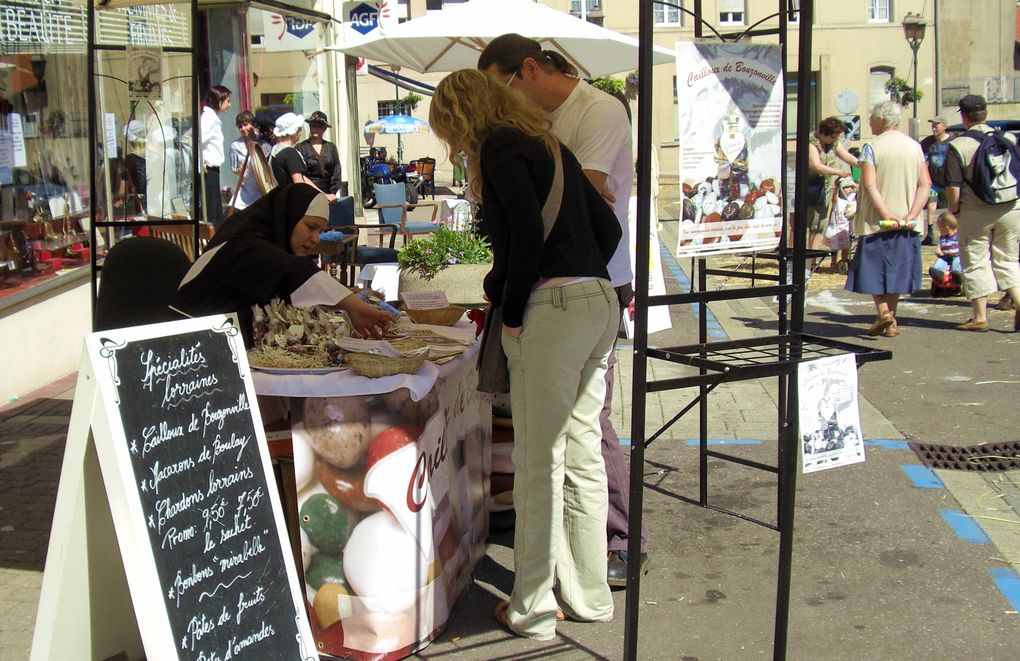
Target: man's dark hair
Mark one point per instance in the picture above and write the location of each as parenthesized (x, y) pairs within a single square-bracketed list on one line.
[(976, 116), (509, 51), (216, 95), (244, 117)]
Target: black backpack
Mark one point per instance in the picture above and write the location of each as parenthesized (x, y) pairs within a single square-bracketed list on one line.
[(996, 170)]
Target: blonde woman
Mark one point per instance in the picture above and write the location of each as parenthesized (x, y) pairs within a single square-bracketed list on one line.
[(560, 317)]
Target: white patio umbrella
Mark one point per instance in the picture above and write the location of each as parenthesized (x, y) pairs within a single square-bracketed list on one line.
[(453, 38)]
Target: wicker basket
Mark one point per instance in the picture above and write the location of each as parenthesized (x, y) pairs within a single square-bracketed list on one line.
[(447, 316), (372, 365), (367, 364)]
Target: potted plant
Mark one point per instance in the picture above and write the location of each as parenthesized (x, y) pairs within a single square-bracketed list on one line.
[(452, 261)]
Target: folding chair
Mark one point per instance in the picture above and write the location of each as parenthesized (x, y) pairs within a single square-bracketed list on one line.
[(391, 202)]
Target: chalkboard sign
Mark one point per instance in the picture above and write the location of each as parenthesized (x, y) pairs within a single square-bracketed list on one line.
[(187, 475)]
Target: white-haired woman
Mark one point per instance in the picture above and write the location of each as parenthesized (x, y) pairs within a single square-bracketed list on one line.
[(894, 191)]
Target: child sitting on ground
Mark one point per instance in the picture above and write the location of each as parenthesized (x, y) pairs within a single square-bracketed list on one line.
[(947, 252)]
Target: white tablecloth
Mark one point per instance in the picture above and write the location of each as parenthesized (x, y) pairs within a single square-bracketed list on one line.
[(344, 383)]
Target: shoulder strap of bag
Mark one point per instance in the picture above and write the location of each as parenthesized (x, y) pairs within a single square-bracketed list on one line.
[(551, 208)]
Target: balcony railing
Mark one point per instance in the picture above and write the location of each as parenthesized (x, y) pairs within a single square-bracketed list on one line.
[(995, 89)]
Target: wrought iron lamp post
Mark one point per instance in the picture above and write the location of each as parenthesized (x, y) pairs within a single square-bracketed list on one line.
[(913, 31)]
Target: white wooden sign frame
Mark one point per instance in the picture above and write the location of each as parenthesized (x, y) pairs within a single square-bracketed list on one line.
[(100, 562)]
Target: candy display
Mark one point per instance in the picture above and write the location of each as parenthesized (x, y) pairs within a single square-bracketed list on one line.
[(391, 498), (717, 210)]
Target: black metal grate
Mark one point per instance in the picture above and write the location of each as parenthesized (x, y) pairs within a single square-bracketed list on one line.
[(985, 458), (763, 356)]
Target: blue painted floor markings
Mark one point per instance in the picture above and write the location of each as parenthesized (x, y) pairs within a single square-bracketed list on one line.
[(965, 527), (923, 477)]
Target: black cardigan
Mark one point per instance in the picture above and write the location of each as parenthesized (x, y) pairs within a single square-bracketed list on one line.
[(517, 173)]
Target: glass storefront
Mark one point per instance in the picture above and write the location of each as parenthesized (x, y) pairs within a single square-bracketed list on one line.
[(43, 151), (273, 61)]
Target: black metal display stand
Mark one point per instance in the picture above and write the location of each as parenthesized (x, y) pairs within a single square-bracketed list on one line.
[(94, 115), (722, 362)]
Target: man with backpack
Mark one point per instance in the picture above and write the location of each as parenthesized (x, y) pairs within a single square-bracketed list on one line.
[(982, 190)]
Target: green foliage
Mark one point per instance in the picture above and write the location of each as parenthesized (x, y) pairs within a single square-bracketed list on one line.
[(410, 102), (431, 254), (902, 91), (608, 84)]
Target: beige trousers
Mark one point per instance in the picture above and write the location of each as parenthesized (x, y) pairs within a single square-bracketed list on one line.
[(988, 248), (557, 387)]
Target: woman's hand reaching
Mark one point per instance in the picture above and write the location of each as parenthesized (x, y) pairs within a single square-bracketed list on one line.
[(367, 320)]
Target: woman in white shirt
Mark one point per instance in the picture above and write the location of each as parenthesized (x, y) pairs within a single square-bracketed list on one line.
[(217, 102)]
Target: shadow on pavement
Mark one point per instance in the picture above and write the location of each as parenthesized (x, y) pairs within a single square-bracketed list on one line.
[(32, 440)]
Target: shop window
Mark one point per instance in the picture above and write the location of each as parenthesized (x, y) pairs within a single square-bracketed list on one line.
[(44, 191), (284, 75), (878, 11)]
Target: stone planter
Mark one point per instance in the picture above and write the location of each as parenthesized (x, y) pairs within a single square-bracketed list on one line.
[(461, 282)]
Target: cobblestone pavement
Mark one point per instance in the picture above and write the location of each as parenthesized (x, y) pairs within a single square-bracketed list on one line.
[(31, 449)]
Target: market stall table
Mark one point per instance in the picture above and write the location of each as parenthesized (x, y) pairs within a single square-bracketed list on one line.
[(390, 486)]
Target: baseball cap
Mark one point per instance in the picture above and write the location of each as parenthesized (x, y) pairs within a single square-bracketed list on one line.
[(972, 103), (938, 120), (318, 117), (288, 124)]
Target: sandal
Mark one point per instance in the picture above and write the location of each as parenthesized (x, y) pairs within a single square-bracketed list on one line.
[(974, 326), (892, 331), (501, 616), (883, 322)]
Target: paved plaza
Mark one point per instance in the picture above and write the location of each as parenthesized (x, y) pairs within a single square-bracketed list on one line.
[(891, 560)]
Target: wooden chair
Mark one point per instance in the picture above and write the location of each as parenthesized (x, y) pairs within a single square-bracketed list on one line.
[(427, 175), (358, 256), (391, 202), (183, 236)]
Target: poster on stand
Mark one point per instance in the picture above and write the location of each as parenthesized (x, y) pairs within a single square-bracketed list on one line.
[(830, 421), (731, 147)]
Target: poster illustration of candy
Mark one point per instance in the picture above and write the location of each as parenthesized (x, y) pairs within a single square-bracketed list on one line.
[(730, 112), (391, 496)]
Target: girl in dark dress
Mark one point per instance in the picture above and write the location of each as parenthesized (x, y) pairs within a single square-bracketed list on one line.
[(262, 253)]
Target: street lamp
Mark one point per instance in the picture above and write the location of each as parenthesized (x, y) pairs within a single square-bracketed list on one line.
[(913, 31)]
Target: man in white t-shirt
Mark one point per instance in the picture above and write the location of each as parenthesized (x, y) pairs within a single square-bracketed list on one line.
[(596, 128)]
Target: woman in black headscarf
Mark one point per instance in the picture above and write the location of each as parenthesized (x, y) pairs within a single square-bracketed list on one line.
[(261, 253)]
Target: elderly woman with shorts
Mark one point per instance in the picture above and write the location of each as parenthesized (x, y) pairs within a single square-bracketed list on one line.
[(894, 191)]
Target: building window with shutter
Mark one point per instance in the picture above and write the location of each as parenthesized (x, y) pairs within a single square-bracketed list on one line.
[(878, 11), (878, 78), (731, 12), (665, 15)]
